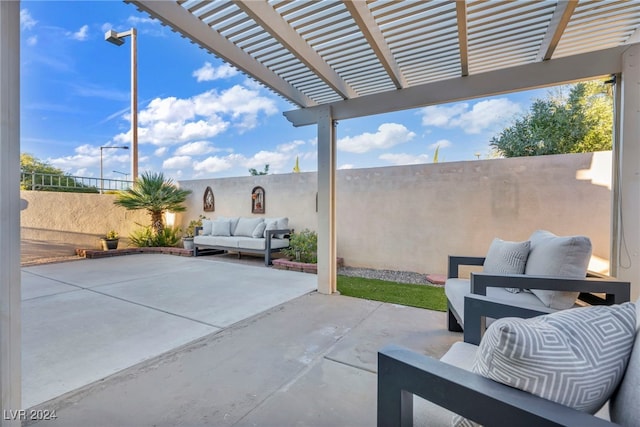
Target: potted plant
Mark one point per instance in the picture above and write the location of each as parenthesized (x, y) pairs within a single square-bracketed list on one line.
[(189, 233), (110, 240)]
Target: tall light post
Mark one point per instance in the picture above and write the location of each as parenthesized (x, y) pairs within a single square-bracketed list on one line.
[(123, 147), (118, 39)]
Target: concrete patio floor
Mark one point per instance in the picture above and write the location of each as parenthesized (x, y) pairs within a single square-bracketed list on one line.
[(158, 340)]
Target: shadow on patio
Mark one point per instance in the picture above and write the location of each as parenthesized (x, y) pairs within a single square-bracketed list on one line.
[(163, 340)]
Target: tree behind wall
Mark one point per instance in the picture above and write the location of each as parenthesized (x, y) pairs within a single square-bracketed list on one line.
[(578, 122)]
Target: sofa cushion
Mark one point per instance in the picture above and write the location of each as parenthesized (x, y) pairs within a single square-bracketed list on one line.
[(623, 407), (221, 227), (246, 226), (207, 225), (233, 223), (281, 223), (259, 244), (258, 232), (561, 256), (573, 357), (221, 241)]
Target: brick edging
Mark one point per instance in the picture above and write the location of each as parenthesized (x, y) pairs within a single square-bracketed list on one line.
[(285, 264), (96, 253)]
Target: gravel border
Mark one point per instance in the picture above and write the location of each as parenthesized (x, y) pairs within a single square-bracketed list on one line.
[(389, 275)]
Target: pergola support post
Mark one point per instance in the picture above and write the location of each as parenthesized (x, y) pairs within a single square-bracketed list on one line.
[(327, 247), (625, 264), (10, 332)]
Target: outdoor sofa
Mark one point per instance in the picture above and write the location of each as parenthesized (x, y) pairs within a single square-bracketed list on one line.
[(263, 236), (550, 370), (545, 273)]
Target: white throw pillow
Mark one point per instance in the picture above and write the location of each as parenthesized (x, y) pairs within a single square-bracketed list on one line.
[(221, 227), (270, 224), (207, 227), (507, 258), (560, 256), (573, 357), (259, 230), (246, 226)]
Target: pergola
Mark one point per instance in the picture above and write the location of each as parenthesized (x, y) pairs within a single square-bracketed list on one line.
[(336, 60)]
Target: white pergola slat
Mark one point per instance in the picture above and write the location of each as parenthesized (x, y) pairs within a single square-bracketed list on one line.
[(327, 52)]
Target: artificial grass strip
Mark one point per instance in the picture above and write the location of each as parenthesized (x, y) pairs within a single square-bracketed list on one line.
[(421, 296)]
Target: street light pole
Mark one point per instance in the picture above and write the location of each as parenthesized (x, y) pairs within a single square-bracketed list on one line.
[(124, 147), (118, 39)]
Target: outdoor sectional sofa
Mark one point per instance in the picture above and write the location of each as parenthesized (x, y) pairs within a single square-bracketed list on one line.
[(243, 235)]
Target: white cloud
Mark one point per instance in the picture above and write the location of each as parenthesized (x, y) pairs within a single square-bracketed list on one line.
[(213, 164), (168, 121), (208, 72), (26, 21), (32, 41), (487, 114), (177, 162), (81, 35), (404, 159), (290, 146), (161, 151), (346, 166), (388, 135), (483, 115), (195, 148), (441, 116), (442, 143), (88, 157)]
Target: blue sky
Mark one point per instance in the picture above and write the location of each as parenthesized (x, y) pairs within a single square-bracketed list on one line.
[(199, 118)]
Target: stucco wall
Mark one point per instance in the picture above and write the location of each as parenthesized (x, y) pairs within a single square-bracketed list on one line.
[(75, 218), (401, 218), (412, 217)]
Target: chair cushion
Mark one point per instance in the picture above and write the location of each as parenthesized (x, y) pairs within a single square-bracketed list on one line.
[(623, 407), (221, 227), (573, 357), (456, 289), (507, 258), (561, 256)]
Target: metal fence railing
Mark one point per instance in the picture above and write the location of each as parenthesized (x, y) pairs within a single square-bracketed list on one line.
[(51, 182)]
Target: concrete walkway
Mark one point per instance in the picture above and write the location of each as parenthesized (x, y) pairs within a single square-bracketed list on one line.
[(85, 320), (170, 341)]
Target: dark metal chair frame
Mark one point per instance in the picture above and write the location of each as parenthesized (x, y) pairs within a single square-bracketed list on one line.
[(403, 373)]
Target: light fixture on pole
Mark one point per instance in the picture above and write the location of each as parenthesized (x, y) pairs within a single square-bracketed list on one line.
[(123, 147), (118, 39)]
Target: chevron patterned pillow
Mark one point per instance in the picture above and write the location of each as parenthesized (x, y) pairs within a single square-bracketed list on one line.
[(574, 357)]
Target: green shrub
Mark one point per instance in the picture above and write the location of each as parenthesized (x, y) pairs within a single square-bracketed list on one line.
[(303, 246), (145, 237)]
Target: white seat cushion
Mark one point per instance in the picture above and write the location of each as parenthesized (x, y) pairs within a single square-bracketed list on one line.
[(457, 289)]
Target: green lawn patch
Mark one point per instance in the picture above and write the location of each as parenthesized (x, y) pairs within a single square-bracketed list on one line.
[(421, 296)]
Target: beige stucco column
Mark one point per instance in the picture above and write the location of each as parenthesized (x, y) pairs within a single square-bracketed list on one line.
[(626, 210), (327, 247), (10, 337)]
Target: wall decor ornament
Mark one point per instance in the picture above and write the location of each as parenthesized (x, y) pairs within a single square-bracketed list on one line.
[(209, 202), (257, 200)]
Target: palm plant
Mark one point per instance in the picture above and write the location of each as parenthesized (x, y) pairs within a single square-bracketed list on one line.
[(156, 194)]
